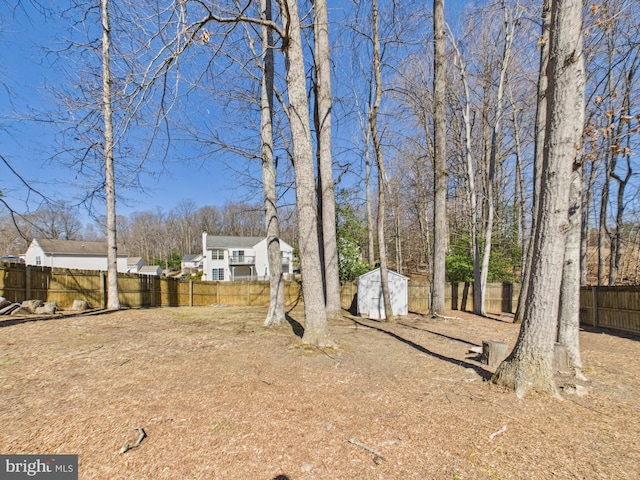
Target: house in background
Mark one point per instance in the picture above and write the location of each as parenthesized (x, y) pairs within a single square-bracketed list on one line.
[(71, 254), (134, 264), (240, 258), (191, 264)]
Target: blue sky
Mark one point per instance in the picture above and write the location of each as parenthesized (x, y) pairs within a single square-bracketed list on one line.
[(25, 73)]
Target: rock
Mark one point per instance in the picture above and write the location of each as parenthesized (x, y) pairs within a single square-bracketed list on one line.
[(31, 305), (4, 302), (578, 390), (21, 311), (579, 375), (48, 308), (80, 305)]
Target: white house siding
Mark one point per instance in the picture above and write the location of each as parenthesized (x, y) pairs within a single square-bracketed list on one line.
[(255, 251), (36, 255), (262, 258)]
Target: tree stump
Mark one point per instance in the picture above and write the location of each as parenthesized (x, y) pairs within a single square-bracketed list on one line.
[(493, 352)]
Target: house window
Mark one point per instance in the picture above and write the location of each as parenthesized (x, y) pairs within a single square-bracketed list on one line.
[(217, 274), (217, 254), (38, 260)]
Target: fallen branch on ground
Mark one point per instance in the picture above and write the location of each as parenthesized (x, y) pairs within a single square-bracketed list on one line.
[(128, 446), (445, 317), (367, 448), (497, 432)]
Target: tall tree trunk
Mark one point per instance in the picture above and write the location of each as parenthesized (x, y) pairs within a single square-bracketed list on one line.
[(472, 199), (530, 364), (316, 331), (569, 315), (541, 119), (367, 186), (382, 176), (325, 167), (490, 194), (275, 314), (440, 234), (113, 301)]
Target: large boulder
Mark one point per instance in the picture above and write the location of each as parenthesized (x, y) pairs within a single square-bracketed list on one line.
[(80, 305), (48, 308), (32, 305)]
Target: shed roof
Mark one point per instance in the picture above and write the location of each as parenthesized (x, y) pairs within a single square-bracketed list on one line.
[(192, 257), (232, 242), (151, 269), (376, 272), (74, 247)]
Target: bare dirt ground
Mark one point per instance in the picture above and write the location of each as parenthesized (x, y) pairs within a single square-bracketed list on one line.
[(221, 397)]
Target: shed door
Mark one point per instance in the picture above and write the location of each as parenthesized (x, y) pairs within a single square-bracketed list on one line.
[(375, 301)]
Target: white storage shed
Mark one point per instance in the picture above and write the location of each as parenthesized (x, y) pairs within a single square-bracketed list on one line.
[(370, 302)]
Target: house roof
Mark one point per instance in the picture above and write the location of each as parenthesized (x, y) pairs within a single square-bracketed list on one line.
[(134, 260), (232, 242), (74, 247), (192, 257)]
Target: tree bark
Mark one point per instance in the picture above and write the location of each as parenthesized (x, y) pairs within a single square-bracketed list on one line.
[(275, 314), (113, 301), (440, 233), (316, 331), (530, 364), (325, 167), (541, 119), (569, 315)]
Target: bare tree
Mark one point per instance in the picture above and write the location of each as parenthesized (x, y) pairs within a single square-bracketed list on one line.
[(440, 229), (530, 364), (490, 194), (382, 177), (326, 195), (113, 301), (275, 314), (316, 331), (541, 118)]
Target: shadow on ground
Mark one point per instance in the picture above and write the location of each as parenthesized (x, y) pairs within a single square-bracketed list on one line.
[(486, 375)]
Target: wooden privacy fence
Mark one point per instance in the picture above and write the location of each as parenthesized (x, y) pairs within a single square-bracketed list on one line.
[(63, 286), (616, 307), (607, 307), (499, 297)]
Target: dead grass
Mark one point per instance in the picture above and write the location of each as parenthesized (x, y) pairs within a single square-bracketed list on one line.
[(221, 397)]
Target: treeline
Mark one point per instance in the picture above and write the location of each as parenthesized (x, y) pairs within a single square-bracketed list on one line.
[(160, 237)]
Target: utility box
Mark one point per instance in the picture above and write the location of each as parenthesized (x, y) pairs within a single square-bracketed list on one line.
[(370, 300)]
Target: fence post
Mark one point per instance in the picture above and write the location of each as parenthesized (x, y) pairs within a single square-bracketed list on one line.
[(153, 290), (27, 287), (191, 293), (594, 296), (103, 288), (454, 295)]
